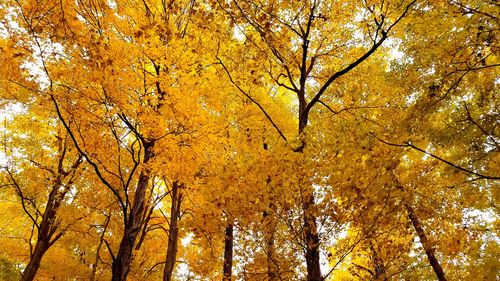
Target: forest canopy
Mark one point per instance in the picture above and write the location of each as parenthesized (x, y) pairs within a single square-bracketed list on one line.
[(249, 140)]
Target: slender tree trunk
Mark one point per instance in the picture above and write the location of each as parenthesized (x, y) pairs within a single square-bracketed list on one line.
[(121, 263), (429, 249), (144, 230), (47, 228), (312, 241), (101, 241), (46, 231), (173, 232), (310, 225), (228, 252)]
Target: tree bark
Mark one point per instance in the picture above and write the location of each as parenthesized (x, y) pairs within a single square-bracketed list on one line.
[(46, 231), (134, 222), (312, 241), (31, 269), (429, 249), (228, 252), (173, 232), (311, 235)]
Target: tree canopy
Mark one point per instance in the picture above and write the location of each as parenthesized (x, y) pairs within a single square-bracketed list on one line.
[(249, 140)]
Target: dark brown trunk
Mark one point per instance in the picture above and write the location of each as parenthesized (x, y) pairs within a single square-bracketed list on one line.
[(228, 252), (121, 263), (173, 232), (429, 249), (29, 272), (310, 226), (312, 241)]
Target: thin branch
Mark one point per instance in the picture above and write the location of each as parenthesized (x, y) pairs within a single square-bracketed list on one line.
[(410, 145), (470, 10), (23, 198), (113, 258), (87, 158), (469, 117), (252, 99)]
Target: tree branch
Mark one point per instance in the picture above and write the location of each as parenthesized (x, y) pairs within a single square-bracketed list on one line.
[(410, 145), (356, 62), (123, 206), (252, 99)]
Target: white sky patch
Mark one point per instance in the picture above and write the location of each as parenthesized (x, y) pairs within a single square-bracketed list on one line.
[(467, 97), (313, 83), (394, 44), (112, 4), (183, 270), (238, 33), (11, 23), (486, 216), (49, 51), (396, 55)]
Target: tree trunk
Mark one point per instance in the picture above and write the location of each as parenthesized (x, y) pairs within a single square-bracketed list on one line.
[(312, 241), (272, 267), (173, 232), (31, 269), (46, 231), (429, 249), (101, 240), (228, 252), (310, 226), (121, 263)]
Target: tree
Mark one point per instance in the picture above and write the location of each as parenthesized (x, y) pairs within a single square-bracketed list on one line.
[(296, 46), (43, 177)]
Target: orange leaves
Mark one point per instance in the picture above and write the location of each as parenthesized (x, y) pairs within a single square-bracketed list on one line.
[(218, 89)]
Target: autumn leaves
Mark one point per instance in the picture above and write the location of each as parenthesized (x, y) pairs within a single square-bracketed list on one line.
[(165, 146)]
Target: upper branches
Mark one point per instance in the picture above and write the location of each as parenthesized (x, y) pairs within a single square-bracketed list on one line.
[(377, 43), (297, 36)]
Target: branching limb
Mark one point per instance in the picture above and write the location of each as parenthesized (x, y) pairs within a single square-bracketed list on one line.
[(252, 100), (23, 199), (486, 133), (123, 206), (411, 145), (365, 56)]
